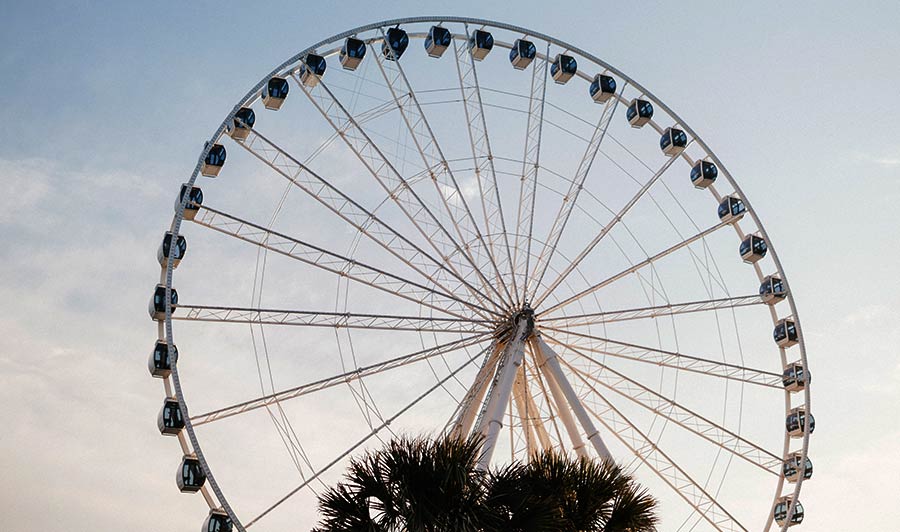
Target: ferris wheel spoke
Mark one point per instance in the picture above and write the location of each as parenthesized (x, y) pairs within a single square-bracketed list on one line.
[(336, 380), (570, 199), (363, 440), (682, 416), (603, 232), (652, 456), (482, 156), (432, 155), (634, 268), (399, 190), (329, 261), (530, 164), (671, 309), (364, 220), (336, 320), (669, 359)]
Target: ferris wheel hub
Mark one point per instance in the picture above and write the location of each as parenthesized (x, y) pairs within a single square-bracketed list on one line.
[(507, 329)]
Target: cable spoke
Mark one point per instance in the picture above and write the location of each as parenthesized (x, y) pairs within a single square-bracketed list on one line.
[(603, 232), (568, 202), (432, 156), (670, 359), (335, 320), (366, 438), (680, 415), (633, 268), (398, 188), (671, 309), (482, 156), (348, 377), (530, 164), (333, 262), (648, 452), (349, 210)]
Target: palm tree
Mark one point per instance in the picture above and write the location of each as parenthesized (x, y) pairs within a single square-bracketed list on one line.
[(414, 485), (555, 492), (423, 485)]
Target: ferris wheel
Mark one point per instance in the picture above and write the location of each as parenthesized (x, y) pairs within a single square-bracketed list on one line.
[(453, 226)]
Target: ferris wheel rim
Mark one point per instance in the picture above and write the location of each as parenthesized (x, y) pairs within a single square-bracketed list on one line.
[(167, 274)]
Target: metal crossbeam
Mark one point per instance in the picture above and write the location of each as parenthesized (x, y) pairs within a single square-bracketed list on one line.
[(671, 309), (568, 201), (335, 263), (651, 455), (482, 156), (337, 320), (634, 268), (357, 216), (531, 162), (350, 376), (419, 214), (669, 359), (375, 430), (428, 148), (601, 235), (682, 416)]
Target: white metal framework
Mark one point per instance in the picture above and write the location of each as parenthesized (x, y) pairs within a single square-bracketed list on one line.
[(505, 257)]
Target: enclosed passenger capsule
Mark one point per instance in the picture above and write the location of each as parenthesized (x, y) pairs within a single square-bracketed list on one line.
[(437, 41), (602, 88), (243, 122), (312, 69), (795, 468), (673, 141), (798, 422), (480, 44), (731, 209), (395, 45), (522, 54), (352, 53), (704, 174), (158, 302), (162, 254), (772, 290), (193, 203), (639, 112), (161, 359), (217, 521), (785, 333), (274, 93), (563, 68), (781, 512), (190, 476), (170, 420), (215, 160), (753, 248), (795, 377)]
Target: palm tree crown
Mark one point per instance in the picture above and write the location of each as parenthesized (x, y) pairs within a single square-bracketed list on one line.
[(424, 485)]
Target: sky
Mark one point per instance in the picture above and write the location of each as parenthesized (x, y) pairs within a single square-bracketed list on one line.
[(105, 107)]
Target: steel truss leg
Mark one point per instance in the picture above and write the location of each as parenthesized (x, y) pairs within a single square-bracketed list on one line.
[(490, 421), (564, 395)]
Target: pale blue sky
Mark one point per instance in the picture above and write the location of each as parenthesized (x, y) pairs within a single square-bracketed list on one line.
[(106, 105)]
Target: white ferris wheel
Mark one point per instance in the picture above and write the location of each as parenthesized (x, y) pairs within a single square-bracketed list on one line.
[(416, 233)]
